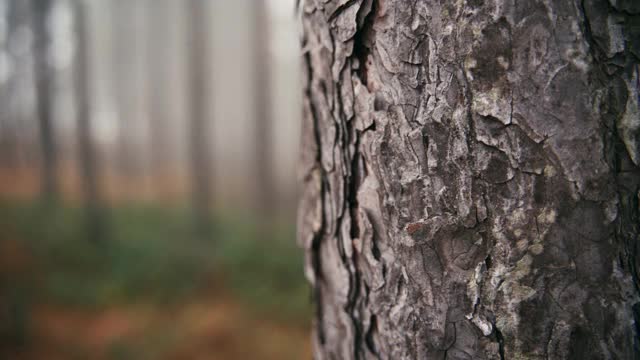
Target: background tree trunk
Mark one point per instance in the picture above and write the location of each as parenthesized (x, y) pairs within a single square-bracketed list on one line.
[(199, 127), (265, 184), (43, 74), (89, 165), (7, 128), (127, 49), (158, 64), (471, 178)]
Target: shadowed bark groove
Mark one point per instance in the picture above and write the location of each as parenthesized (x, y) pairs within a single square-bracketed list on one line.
[(471, 179)]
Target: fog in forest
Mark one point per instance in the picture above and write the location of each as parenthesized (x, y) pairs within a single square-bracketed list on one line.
[(148, 180)]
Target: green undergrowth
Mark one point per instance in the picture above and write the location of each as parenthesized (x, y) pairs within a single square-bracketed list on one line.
[(151, 253)]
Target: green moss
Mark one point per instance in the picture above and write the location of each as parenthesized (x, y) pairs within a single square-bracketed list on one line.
[(152, 254)]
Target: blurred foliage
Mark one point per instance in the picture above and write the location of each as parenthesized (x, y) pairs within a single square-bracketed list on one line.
[(152, 254)]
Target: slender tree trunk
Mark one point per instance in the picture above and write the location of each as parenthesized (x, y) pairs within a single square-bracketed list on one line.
[(199, 126), (89, 165), (471, 178), (43, 75), (158, 67), (7, 117), (265, 187), (126, 97)]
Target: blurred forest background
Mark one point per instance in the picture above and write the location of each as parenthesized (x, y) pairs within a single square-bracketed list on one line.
[(147, 180)]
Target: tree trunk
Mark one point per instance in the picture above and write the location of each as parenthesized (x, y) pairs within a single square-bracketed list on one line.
[(158, 65), (199, 145), (89, 166), (127, 91), (263, 167), (43, 80), (8, 129), (471, 178)]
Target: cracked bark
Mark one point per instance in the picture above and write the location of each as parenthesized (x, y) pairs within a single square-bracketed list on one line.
[(471, 180)]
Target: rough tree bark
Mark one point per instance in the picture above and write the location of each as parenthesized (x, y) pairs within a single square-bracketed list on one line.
[(471, 178), (43, 75)]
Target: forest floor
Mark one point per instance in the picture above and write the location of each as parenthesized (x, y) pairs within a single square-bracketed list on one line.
[(153, 291), (215, 328)]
